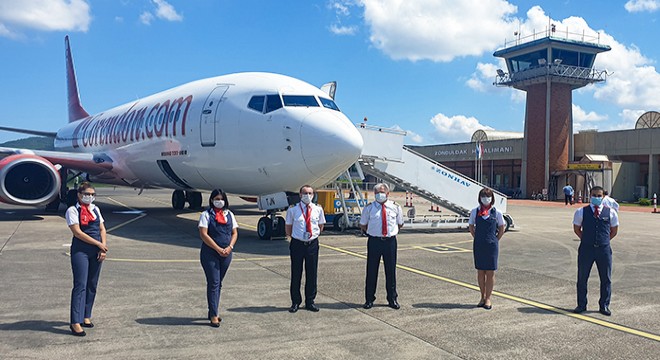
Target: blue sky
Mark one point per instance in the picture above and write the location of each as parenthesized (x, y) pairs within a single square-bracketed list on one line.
[(425, 66)]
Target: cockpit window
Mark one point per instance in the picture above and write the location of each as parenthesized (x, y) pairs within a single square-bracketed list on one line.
[(273, 102), (257, 103), (300, 100), (327, 103)]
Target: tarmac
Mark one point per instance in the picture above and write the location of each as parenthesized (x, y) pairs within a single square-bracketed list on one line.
[(151, 301)]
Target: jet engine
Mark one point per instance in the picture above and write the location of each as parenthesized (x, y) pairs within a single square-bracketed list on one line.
[(28, 180)]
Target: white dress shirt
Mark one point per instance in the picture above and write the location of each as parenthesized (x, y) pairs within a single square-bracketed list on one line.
[(371, 216), (614, 217), (73, 211), (499, 215), (204, 219), (296, 217)]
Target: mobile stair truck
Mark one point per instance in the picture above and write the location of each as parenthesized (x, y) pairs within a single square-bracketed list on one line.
[(384, 156)]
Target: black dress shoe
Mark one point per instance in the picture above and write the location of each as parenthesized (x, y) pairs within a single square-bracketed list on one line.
[(294, 308), (368, 305), (87, 325), (579, 310), (74, 333), (605, 311), (488, 307), (312, 307), (394, 305)]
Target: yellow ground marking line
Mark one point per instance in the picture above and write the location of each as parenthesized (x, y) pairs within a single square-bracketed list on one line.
[(536, 304)]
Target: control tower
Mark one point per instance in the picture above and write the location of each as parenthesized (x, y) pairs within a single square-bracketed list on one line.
[(548, 66)]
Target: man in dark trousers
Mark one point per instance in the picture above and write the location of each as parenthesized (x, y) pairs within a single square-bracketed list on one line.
[(304, 223), (595, 225), (381, 220)]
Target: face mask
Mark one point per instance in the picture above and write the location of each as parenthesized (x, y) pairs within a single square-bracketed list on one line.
[(381, 197), (596, 201), (306, 198), (219, 203), (485, 200), (87, 199)]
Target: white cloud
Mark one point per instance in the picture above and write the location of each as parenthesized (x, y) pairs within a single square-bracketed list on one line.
[(457, 128), (166, 11), (342, 12), (628, 120), (482, 79), (411, 135), (642, 5), (119, 19), (437, 30), (43, 15), (343, 30), (580, 116), (146, 18)]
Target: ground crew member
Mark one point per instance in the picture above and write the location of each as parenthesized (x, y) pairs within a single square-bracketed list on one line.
[(595, 225), (304, 223), (218, 230), (381, 220), (487, 227), (610, 202), (568, 194), (88, 250)]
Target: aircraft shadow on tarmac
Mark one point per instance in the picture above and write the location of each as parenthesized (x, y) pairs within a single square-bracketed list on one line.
[(270, 308), (55, 327), (165, 226), (173, 321), (446, 306), (20, 215)]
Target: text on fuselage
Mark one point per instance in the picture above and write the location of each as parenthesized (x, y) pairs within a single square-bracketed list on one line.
[(159, 120)]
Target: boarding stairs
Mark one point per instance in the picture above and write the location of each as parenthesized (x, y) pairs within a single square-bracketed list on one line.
[(384, 156)]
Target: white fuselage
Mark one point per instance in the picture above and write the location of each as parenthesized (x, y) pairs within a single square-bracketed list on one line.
[(202, 135)]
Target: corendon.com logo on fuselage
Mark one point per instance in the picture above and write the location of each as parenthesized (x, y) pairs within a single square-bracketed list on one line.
[(159, 120)]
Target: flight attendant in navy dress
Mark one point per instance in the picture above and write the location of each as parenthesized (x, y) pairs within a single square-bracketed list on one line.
[(487, 227), (219, 230), (88, 250)]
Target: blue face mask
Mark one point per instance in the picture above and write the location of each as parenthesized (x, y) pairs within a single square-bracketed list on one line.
[(596, 201)]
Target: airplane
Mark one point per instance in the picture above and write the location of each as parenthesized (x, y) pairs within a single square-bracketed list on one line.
[(253, 134)]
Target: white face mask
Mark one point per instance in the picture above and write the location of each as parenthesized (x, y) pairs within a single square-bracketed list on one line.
[(87, 199), (485, 200), (306, 198), (381, 197), (219, 203)]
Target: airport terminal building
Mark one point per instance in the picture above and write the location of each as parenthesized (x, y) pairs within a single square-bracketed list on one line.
[(625, 162)]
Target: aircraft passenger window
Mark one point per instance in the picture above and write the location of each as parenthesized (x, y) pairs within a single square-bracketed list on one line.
[(329, 104), (299, 100), (257, 103), (273, 102)]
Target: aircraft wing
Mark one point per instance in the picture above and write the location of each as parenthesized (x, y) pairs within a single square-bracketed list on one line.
[(93, 164)]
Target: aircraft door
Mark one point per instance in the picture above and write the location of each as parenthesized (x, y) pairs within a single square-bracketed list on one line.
[(210, 118)]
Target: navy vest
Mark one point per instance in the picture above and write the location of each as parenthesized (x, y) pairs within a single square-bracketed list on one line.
[(93, 229), (486, 229), (595, 231), (220, 233)]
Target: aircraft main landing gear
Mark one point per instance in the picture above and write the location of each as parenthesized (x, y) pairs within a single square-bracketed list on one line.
[(271, 226), (180, 197)]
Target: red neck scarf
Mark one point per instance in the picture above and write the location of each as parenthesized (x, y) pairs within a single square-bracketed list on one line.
[(483, 210), (220, 216), (85, 215)]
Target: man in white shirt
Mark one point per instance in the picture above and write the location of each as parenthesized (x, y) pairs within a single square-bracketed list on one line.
[(596, 225), (381, 220), (304, 223)]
